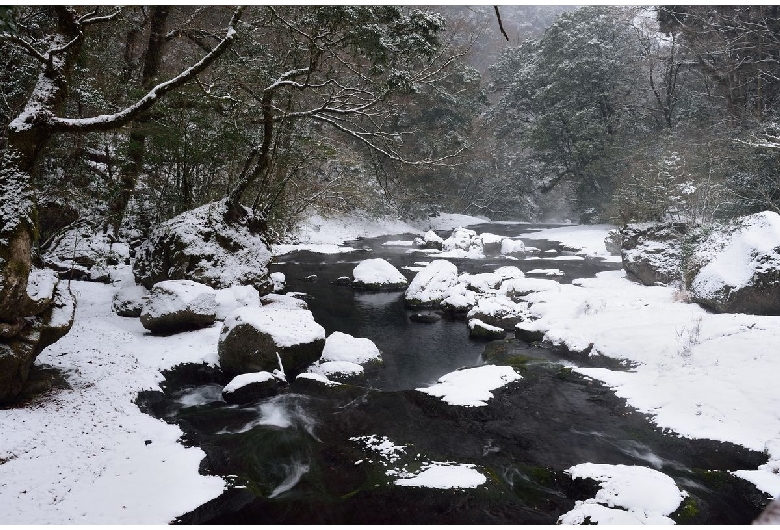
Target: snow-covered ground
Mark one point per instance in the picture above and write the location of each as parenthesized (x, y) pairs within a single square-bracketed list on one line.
[(589, 239), (88, 455)]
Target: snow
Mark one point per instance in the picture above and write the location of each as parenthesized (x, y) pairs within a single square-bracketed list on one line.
[(490, 239), (498, 306), (172, 296), (343, 368), (398, 243), (699, 374), (546, 272), (286, 327), (511, 246), (282, 301), (450, 221), (523, 286), (588, 238), (231, 298), (628, 495), (377, 271), (317, 377), (432, 284), (386, 449), (474, 322), (243, 380), (79, 456), (342, 347), (322, 248), (471, 387), (463, 243), (482, 282), (278, 280), (445, 476), (41, 284), (752, 248), (317, 229)]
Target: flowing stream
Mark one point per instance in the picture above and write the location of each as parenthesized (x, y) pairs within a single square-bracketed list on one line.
[(332, 455)]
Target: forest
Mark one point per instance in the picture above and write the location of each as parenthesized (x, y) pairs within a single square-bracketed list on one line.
[(193, 142)]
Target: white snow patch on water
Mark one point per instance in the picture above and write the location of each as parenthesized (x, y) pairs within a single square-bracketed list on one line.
[(628, 495), (445, 476), (471, 387)]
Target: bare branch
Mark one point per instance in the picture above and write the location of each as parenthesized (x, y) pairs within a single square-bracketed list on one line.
[(25, 45)]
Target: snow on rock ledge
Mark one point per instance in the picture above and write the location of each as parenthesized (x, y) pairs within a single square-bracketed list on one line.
[(246, 388), (344, 356), (628, 495), (255, 339), (471, 387), (744, 275), (179, 305), (377, 275), (200, 245)]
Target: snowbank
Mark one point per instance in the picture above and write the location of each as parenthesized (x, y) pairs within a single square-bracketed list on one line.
[(471, 387), (80, 456), (699, 374), (445, 476), (588, 238)]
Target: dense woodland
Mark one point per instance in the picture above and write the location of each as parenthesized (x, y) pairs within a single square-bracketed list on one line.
[(122, 118)]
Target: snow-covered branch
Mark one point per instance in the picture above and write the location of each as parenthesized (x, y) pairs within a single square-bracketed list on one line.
[(25, 45), (110, 121)]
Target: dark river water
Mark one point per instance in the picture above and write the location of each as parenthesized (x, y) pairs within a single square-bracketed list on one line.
[(295, 457)]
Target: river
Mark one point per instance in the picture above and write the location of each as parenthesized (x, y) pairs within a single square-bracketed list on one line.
[(313, 454)]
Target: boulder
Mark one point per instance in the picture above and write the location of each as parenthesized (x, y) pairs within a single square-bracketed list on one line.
[(18, 352), (259, 339), (251, 387), (431, 285), (512, 247), (283, 301), (516, 288), (129, 300), (652, 254), (342, 281), (613, 242), (499, 311), (429, 240), (491, 242), (425, 318), (179, 305), (278, 280), (209, 245), (345, 357), (378, 275), (463, 243), (481, 330), (84, 252), (460, 299), (483, 282), (741, 271)]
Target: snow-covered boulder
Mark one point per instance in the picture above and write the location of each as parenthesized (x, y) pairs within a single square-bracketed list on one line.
[(344, 356), (481, 330), (429, 240), (653, 253), (231, 298), (509, 272), (613, 242), (431, 285), (516, 288), (742, 271), (247, 388), (491, 242), (283, 301), (279, 281), (499, 311), (179, 305), (463, 243), (258, 339), (512, 246), (459, 299), (377, 275), (481, 283), (201, 245), (84, 252), (129, 300)]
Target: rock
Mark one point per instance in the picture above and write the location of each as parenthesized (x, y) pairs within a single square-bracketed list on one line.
[(345, 357), (512, 247), (313, 382), (251, 387), (516, 288), (343, 281), (257, 339), (481, 283), (499, 311), (311, 278), (378, 275), (460, 299), (431, 285), (481, 330), (430, 240), (279, 301), (528, 335), (340, 371), (425, 318), (278, 279), (463, 243), (202, 245), (653, 254), (742, 270), (179, 305), (491, 242), (18, 353), (613, 242), (129, 301), (84, 252)]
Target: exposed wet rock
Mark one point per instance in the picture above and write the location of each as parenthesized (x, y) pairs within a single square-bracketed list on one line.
[(252, 387), (481, 330), (179, 305), (343, 281), (258, 339), (425, 318)]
